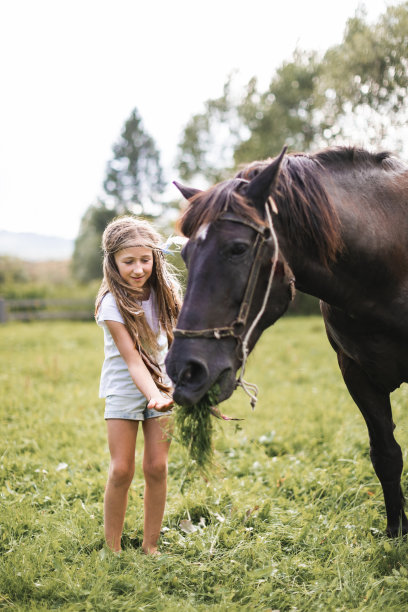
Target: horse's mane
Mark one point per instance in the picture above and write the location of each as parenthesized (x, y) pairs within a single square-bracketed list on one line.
[(306, 211), (339, 157)]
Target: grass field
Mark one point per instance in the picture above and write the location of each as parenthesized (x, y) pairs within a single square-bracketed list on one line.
[(292, 519)]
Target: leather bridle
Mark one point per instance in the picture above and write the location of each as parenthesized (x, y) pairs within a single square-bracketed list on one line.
[(264, 235), (235, 329)]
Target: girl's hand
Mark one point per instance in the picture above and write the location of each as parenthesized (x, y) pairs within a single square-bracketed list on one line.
[(161, 404)]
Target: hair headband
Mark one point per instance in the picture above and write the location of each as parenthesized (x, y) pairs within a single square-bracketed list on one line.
[(173, 244)]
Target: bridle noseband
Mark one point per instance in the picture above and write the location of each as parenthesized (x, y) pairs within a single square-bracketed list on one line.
[(264, 234)]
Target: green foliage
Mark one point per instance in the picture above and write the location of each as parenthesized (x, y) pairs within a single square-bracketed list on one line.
[(293, 517), (210, 138), (87, 256), (237, 129), (134, 175), (21, 279), (366, 76), (12, 271), (284, 113), (132, 184), (369, 67), (356, 94)]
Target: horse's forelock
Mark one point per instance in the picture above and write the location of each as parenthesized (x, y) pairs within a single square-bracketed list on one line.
[(207, 206)]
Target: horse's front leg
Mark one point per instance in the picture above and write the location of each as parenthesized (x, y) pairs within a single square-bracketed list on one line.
[(385, 452)]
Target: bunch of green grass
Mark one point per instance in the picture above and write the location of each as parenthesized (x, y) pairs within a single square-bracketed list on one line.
[(194, 427)]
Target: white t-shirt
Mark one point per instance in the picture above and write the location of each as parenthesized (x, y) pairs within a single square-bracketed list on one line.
[(115, 376)]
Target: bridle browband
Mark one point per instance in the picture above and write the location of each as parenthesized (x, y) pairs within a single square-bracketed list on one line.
[(265, 233)]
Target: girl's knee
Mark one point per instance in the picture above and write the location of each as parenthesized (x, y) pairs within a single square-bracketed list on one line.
[(155, 469), (121, 474)]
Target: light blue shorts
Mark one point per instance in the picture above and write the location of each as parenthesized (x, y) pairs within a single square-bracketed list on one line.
[(130, 408)]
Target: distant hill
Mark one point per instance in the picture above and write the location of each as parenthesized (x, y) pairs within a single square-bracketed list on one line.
[(35, 247)]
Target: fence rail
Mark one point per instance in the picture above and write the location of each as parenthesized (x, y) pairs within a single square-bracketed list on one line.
[(45, 309)]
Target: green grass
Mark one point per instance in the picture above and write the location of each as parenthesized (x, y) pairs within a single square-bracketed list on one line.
[(292, 519), (193, 427)]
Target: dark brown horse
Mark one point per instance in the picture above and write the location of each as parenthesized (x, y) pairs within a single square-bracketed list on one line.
[(339, 220)]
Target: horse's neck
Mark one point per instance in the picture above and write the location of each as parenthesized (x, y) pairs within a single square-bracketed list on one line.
[(366, 268), (340, 285), (314, 279)]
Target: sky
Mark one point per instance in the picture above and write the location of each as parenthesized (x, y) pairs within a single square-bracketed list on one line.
[(71, 71)]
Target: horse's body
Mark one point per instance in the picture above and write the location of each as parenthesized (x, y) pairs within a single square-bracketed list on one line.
[(341, 220)]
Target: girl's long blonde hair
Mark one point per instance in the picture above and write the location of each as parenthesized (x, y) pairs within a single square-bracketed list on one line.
[(122, 233)]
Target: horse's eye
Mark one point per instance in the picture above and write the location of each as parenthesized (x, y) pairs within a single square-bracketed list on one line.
[(235, 249)]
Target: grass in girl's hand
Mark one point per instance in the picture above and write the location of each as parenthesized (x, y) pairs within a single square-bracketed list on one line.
[(193, 428)]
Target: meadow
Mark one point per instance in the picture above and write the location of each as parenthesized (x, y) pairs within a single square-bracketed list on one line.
[(292, 518)]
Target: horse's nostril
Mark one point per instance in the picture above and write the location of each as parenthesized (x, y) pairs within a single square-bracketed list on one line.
[(194, 373), (187, 375)]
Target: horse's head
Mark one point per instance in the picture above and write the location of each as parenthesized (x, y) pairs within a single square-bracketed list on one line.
[(238, 283)]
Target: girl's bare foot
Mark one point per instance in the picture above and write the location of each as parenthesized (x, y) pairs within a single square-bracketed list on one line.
[(150, 550)]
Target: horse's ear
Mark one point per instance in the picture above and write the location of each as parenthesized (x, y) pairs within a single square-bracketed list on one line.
[(259, 188), (187, 192)]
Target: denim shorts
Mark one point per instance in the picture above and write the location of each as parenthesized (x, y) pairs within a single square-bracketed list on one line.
[(130, 408)]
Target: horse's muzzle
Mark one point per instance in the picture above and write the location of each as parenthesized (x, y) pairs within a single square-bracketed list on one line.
[(193, 377)]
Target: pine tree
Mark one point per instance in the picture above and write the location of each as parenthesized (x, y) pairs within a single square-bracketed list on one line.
[(134, 175), (133, 184)]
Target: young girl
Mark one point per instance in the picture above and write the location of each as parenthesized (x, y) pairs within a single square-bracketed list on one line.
[(137, 307)]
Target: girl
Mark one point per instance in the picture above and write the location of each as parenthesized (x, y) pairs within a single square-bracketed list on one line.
[(137, 306)]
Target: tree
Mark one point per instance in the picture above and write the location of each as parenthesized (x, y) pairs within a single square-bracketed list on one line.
[(132, 184), (365, 79), (134, 175), (284, 113), (87, 256), (211, 137), (356, 93), (237, 129)]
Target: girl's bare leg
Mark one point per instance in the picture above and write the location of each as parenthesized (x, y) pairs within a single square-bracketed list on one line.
[(122, 442), (156, 449)]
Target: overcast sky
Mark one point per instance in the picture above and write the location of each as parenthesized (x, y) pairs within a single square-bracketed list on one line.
[(72, 70)]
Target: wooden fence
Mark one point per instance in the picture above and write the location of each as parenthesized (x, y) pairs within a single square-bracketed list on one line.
[(34, 309)]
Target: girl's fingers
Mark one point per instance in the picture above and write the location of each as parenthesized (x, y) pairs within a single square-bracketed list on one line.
[(162, 408), (160, 405)]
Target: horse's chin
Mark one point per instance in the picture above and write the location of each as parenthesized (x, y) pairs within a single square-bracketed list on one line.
[(186, 395)]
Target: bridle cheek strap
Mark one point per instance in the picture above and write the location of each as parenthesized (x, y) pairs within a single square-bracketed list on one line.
[(251, 389), (235, 330)]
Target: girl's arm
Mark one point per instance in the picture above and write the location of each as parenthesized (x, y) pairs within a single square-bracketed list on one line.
[(137, 369)]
